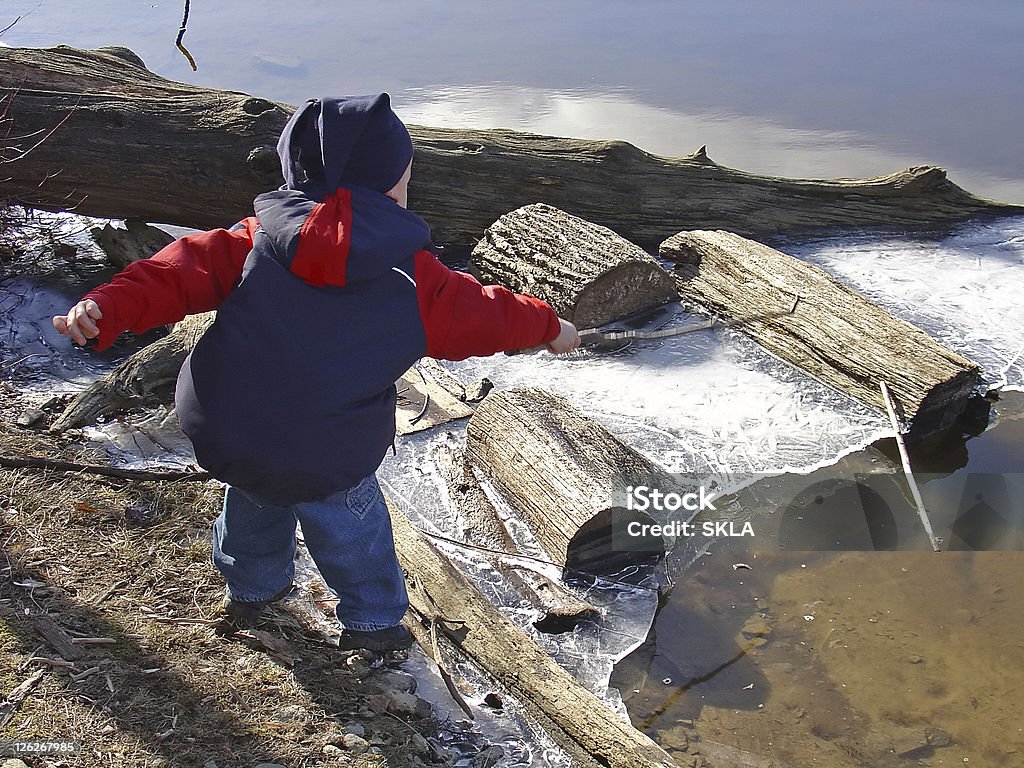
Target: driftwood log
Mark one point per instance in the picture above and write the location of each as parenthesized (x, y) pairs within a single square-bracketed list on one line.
[(578, 721), (564, 473), (121, 142), (145, 378), (587, 273), (801, 314), (558, 609)]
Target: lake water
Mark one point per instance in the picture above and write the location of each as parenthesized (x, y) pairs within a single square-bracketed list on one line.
[(809, 657)]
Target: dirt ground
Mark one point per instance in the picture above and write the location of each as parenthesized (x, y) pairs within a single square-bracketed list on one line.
[(127, 563)]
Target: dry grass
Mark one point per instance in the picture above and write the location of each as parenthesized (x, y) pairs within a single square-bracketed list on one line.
[(131, 562)]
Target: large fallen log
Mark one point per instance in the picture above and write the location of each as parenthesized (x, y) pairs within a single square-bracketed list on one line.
[(801, 314), (575, 718), (567, 475), (135, 145), (558, 609), (587, 273)]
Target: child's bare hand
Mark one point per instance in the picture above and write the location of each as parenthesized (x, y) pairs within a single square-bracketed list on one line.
[(567, 340), (80, 322)]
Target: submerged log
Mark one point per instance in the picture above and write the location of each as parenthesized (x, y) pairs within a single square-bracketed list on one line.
[(145, 378), (575, 718), (135, 145), (587, 273), (801, 314), (564, 472)]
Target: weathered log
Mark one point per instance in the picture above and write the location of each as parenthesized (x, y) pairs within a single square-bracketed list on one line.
[(559, 610), (136, 145), (832, 332), (575, 718), (587, 273), (136, 240), (145, 378), (563, 472)]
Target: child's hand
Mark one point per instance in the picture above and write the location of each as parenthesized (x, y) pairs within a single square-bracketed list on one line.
[(567, 339), (80, 322)]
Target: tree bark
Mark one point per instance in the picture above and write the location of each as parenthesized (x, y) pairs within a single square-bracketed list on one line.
[(801, 314), (135, 145), (577, 720), (587, 273), (558, 609), (564, 472)]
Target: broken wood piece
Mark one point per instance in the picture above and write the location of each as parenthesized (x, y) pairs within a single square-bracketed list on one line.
[(94, 641), (427, 399), (831, 332), (587, 273), (50, 662), (122, 117), (575, 718), (18, 695), (58, 639), (560, 610), (563, 472)]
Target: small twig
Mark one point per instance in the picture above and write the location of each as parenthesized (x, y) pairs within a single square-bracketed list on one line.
[(85, 674), (10, 25), (106, 595), (905, 458), (51, 662), (93, 641), (423, 410), (172, 620), (181, 35)]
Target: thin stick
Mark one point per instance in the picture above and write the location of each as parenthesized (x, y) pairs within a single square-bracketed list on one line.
[(905, 458), (38, 462), (181, 35)]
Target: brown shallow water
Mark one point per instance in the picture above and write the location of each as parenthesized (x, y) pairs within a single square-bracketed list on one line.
[(860, 655), (851, 658)]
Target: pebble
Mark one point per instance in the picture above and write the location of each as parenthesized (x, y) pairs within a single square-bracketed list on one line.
[(478, 390), (14, 763), (419, 745), (388, 680), (210, 764), (353, 743), (330, 750), (914, 659), (756, 626), (674, 738), (31, 417), (486, 758), (270, 765), (356, 729)]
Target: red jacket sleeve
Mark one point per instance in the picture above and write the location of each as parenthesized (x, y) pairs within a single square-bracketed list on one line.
[(191, 275), (463, 318)]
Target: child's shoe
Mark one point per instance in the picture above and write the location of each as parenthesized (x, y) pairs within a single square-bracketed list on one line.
[(242, 613), (397, 638)]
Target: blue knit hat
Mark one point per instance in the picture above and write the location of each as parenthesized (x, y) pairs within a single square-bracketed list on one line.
[(354, 141)]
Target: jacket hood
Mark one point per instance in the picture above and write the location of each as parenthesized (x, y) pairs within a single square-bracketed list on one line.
[(353, 235), (356, 141)]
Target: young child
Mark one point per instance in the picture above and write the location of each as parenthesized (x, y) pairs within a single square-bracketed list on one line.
[(324, 297)]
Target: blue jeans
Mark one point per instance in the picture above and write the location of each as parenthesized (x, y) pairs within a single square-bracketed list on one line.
[(348, 535)]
